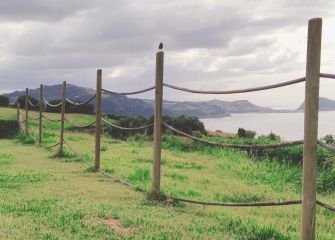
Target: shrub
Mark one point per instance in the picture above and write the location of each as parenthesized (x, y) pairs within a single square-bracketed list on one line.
[(8, 128), (4, 101), (329, 139), (242, 133)]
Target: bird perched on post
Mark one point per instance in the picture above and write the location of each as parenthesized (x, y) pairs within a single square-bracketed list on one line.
[(160, 47)]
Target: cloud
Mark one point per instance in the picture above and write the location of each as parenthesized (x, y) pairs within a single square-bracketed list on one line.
[(208, 44)]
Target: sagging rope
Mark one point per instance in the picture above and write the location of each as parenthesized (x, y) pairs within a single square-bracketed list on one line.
[(252, 204), (325, 205), (81, 103), (34, 119), (114, 179), (79, 126), (49, 119), (51, 105), (33, 105), (44, 146), (277, 85), (129, 93), (241, 146), (327, 75), (237, 204), (127, 128)]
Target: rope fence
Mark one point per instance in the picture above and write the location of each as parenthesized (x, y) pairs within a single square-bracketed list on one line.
[(129, 93), (49, 119), (81, 103), (51, 105), (310, 141), (241, 146), (126, 128), (80, 126)]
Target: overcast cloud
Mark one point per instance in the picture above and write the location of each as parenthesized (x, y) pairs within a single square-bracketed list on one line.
[(208, 45)]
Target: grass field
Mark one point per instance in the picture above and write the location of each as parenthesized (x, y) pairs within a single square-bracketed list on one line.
[(48, 198)]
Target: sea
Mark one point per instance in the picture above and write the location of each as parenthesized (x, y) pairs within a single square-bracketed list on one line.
[(289, 126)]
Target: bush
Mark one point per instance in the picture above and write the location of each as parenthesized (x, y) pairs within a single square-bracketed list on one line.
[(8, 128), (242, 133), (329, 139), (4, 101)]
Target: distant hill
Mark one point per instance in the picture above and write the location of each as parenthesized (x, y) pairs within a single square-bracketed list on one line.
[(122, 105), (325, 104)]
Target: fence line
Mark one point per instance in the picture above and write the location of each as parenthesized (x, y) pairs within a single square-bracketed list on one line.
[(310, 134)]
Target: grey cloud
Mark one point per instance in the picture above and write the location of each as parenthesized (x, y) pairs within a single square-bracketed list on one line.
[(70, 39)]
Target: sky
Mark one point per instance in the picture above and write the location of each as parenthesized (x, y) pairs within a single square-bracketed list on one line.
[(208, 45)]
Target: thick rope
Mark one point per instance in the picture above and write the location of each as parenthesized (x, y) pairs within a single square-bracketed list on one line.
[(236, 204), (327, 146), (50, 146), (277, 85), (327, 75), (252, 204), (266, 87), (79, 126), (325, 205), (241, 146), (80, 103), (127, 128), (33, 105), (49, 119), (52, 105), (34, 119), (129, 93), (114, 179)]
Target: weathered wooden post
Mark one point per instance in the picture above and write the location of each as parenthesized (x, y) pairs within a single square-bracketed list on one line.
[(40, 117), (156, 170), (98, 121), (311, 128), (26, 109), (61, 139), (18, 112)]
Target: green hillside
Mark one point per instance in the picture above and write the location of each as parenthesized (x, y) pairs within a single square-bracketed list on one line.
[(43, 197)]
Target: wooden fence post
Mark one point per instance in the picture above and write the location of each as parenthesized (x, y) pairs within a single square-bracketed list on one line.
[(98, 121), (61, 139), (26, 109), (311, 128), (156, 170), (40, 117), (18, 112)]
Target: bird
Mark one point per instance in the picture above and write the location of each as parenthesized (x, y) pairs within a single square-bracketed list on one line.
[(160, 47)]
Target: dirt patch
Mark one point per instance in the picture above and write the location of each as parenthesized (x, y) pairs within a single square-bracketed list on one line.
[(115, 224), (219, 133)]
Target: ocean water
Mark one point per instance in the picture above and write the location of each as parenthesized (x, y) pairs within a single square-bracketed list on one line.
[(290, 126)]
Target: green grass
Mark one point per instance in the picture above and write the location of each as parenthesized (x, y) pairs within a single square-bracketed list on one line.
[(50, 198)]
